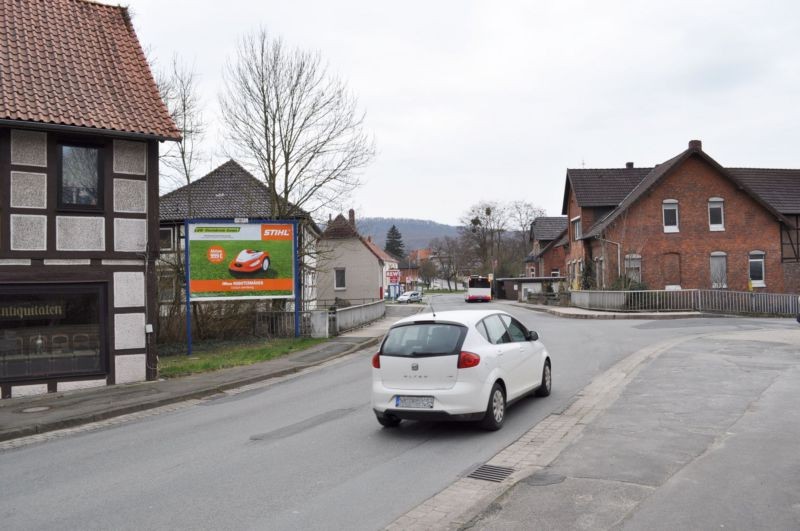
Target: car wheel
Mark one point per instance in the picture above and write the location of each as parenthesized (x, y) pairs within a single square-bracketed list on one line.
[(547, 380), (495, 409), (388, 421), (265, 264)]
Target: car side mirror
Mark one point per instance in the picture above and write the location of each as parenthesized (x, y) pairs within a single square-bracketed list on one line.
[(533, 336)]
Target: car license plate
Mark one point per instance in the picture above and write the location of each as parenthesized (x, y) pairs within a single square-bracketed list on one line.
[(414, 401)]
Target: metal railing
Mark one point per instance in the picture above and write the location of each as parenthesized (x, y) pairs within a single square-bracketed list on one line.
[(722, 301)]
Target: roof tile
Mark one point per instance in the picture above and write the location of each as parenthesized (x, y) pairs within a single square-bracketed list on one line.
[(77, 63)]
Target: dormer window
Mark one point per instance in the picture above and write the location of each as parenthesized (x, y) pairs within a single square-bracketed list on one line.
[(669, 209), (716, 214)]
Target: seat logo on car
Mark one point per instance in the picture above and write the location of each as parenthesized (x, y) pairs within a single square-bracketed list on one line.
[(414, 366)]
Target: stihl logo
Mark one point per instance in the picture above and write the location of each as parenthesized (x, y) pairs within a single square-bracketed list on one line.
[(276, 232)]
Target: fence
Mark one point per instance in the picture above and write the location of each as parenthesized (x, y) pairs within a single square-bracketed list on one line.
[(735, 302), (355, 316), (214, 320)]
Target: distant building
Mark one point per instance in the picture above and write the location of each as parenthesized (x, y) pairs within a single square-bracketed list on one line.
[(543, 261), (351, 267)]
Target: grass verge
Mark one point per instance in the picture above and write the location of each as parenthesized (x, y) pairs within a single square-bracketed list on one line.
[(231, 356)]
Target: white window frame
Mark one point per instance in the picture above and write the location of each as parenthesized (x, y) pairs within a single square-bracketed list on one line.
[(716, 202), (577, 230), (670, 204), (630, 259), (757, 256), (718, 254), (555, 272), (171, 239), (336, 287)]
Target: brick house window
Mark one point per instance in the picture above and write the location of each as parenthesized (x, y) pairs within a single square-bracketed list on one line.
[(80, 183), (716, 214), (555, 272), (633, 267), (339, 279), (577, 232), (669, 210), (719, 270), (757, 279)]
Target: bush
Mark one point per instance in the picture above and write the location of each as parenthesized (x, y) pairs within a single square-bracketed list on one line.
[(626, 284)]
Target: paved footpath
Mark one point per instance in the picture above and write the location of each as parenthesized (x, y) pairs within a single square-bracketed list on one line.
[(700, 432)]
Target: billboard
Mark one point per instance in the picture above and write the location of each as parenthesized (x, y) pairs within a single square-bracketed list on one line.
[(241, 260)]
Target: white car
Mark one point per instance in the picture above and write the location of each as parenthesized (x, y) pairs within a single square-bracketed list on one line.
[(410, 296), (457, 365)]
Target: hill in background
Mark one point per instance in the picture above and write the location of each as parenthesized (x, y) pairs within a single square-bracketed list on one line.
[(417, 233)]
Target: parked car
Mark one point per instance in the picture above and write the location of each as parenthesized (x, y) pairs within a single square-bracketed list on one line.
[(410, 296), (457, 365)]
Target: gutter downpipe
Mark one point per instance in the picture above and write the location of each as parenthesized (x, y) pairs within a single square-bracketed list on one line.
[(619, 254)]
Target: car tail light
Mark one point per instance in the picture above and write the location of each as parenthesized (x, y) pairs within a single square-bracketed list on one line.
[(376, 361), (467, 360)]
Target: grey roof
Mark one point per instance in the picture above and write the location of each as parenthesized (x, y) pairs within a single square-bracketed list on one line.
[(662, 170), (227, 192), (602, 186), (778, 187), (561, 239), (548, 228)]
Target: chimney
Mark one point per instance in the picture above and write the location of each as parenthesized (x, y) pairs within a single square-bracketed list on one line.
[(629, 165), (696, 144), (352, 216)]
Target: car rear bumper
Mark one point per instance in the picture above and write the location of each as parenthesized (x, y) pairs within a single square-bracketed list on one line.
[(429, 415), (463, 401)]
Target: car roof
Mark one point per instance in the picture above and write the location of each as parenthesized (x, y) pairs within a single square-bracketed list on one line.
[(467, 317)]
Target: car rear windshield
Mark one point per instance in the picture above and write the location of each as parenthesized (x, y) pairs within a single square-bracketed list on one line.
[(424, 339)]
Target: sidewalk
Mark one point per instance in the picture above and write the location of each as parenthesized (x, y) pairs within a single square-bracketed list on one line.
[(580, 313), (703, 437), (21, 417)]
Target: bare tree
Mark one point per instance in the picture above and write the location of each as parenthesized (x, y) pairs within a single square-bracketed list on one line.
[(482, 226), (449, 254), (521, 215), (179, 90), (294, 122)]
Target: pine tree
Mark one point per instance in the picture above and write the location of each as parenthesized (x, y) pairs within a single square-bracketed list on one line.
[(394, 243)]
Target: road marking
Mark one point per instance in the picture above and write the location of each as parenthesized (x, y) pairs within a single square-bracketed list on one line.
[(457, 505)]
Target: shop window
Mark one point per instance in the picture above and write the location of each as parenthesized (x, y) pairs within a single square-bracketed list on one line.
[(80, 180), (669, 210), (339, 279), (716, 214), (757, 278), (719, 270), (51, 330)]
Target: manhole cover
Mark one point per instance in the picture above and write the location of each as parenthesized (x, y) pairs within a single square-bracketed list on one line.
[(36, 409)]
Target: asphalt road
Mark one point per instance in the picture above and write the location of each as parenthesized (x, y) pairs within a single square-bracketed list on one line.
[(304, 453)]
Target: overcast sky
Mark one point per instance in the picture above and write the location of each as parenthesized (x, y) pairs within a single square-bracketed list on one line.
[(470, 101)]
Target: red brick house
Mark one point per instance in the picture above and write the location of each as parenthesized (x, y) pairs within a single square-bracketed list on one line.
[(80, 124), (548, 238), (686, 223)]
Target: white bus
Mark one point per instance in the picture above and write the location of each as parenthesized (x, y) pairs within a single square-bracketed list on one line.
[(479, 289)]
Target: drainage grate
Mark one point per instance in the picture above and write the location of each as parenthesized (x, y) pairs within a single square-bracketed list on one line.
[(491, 473)]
